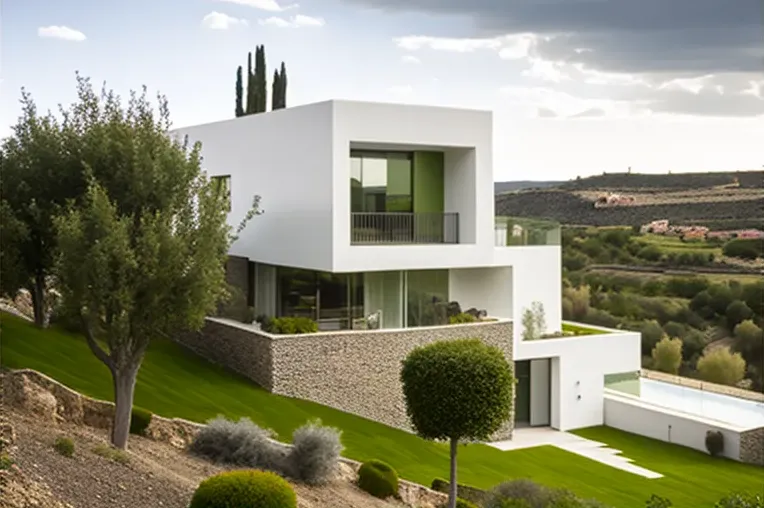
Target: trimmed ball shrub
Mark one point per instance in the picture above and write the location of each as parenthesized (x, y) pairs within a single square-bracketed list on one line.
[(378, 479), (244, 489), (139, 421), (64, 446), (714, 442), (315, 453)]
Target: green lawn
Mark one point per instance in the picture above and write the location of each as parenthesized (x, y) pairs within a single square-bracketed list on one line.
[(675, 244), (581, 330), (174, 382)]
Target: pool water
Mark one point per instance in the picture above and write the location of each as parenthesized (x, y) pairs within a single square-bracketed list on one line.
[(714, 406)]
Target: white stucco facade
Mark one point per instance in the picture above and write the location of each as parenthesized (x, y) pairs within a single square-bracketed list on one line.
[(298, 160)]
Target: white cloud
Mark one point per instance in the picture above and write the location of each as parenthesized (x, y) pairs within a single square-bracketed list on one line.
[(61, 32), (539, 99), (219, 21), (546, 70), (410, 59), (755, 88), (509, 47), (263, 5), (401, 89), (692, 85), (300, 20)]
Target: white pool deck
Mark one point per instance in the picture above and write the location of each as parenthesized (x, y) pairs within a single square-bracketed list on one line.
[(600, 452)]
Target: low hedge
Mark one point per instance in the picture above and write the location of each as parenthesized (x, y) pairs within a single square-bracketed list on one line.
[(139, 421), (378, 479), (246, 488), (465, 492)]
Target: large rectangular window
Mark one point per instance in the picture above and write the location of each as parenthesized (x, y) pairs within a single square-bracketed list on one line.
[(380, 182), (427, 297)]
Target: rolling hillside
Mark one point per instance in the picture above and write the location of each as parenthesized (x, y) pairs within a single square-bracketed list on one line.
[(735, 198)]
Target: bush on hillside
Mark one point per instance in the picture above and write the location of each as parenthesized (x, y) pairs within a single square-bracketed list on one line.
[(714, 442), (701, 304), (244, 489), (140, 419), (524, 493), (721, 297), (686, 287), (750, 339), (744, 248), (239, 443), (315, 453), (599, 317), (574, 261), (64, 446), (675, 330), (667, 355), (753, 296), (650, 253), (741, 500), (693, 344), (722, 367), (654, 287), (580, 299), (652, 333), (736, 313), (378, 479)]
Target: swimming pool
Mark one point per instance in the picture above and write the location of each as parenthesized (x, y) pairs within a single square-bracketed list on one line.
[(713, 406)]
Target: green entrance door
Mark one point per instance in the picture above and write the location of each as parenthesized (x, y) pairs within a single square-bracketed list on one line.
[(523, 393)]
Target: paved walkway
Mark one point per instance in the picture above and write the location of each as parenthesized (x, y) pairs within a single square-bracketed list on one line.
[(538, 436)]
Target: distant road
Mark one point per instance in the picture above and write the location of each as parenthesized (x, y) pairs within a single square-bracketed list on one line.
[(677, 271)]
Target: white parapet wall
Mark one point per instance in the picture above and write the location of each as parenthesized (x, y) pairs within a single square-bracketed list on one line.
[(578, 368), (632, 414)]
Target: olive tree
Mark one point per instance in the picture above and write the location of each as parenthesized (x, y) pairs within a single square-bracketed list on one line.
[(37, 178), (721, 366), (667, 355), (142, 255), (457, 390)]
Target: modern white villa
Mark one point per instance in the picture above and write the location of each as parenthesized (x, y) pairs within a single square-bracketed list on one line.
[(386, 211)]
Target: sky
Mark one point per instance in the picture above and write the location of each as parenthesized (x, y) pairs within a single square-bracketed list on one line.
[(577, 87)]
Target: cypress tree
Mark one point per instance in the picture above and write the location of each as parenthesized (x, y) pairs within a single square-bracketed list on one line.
[(275, 94), (239, 92), (282, 86), (261, 80), (250, 87)]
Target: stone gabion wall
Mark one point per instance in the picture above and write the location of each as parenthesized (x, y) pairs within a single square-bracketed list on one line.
[(237, 347), (358, 372), (353, 371), (752, 446)]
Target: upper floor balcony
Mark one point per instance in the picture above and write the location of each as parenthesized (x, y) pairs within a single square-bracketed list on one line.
[(523, 231), (398, 198)]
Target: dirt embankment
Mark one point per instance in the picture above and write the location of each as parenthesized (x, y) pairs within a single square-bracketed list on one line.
[(155, 472)]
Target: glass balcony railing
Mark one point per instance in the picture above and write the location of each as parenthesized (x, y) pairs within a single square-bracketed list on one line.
[(517, 231)]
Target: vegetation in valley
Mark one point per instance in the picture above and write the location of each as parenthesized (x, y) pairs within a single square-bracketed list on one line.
[(704, 312)]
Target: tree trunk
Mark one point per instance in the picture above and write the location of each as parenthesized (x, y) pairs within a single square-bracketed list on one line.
[(452, 487), (38, 300), (124, 388)]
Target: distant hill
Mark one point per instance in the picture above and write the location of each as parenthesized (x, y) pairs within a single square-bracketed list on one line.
[(499, 187), (731, 197)]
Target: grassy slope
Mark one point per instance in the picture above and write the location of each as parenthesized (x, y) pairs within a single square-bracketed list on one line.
[(673, 243), (174, 382)]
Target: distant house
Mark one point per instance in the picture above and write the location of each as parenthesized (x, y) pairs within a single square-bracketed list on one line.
[(659, 227), (749, 234)]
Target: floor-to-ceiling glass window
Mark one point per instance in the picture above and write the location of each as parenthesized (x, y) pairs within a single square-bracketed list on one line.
[(333, 300), (384, 296), (427, 297)]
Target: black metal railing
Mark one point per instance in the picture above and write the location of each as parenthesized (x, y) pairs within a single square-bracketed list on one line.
[(371, 228)]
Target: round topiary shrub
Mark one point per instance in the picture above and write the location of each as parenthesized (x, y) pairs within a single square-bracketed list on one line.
[(139, 421), (64, 446), (714, 442), (244, 489), (378, 479)]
